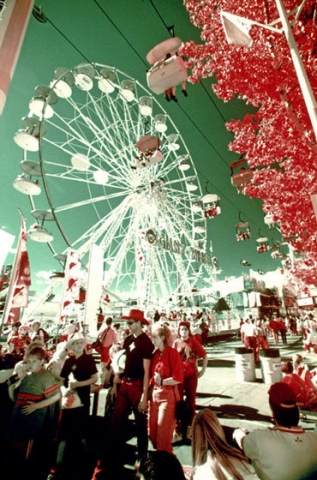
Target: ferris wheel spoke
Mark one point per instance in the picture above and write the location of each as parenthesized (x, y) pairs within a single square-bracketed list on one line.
[(103, 231), (117, 262), (73, 206)]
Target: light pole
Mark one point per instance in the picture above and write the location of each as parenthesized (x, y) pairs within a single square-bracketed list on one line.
[(237, 32), (299, 67)]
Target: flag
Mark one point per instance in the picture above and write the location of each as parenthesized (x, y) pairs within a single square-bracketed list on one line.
[(72, 284), (94, 286), (21, 292), (18, 293), (237, 29)]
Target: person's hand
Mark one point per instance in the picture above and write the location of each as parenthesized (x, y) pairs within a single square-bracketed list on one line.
[(187, 351), (238, 435), (157, 378), (29, 408), (116, 379), (200, 373), (114, 390), (73, 385), (143, 404)]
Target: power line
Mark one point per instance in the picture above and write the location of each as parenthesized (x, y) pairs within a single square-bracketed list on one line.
[(120, 32), (68, 40), (171, 28)]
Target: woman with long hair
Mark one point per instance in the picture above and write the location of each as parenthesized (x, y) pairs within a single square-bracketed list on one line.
[(166, 375), (213, 457)]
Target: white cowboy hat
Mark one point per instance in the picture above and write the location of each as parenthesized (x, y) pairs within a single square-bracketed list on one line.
[(75, 337), (118, 361)]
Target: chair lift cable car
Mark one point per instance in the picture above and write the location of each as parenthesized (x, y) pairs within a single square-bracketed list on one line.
[(168, 68), (243, 230), (241, 178), (211, 205)]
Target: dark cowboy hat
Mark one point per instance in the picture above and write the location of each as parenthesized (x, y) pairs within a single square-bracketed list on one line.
[(136, 315)]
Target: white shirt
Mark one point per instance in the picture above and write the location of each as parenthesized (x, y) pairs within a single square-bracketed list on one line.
[(281, 453), (250, 330), (205, 471)]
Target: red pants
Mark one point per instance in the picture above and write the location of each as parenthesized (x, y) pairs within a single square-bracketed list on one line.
[(128, 398), (189, 390), (105, 357), (110, 465), (162, 418)]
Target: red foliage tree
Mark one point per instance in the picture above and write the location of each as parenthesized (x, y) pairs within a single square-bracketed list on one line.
[(278, 139)]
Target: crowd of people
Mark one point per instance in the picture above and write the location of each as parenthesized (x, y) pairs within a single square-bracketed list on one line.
[(256, 332), (151, 370)]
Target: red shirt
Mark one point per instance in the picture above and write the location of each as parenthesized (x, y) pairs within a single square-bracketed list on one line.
[(298, 386), (189, 350), (167, 363)]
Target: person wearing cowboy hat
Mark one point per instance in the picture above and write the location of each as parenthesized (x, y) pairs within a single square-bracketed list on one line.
[(285, 451), (79, 370), (132, 394), (82, 366), (78, 373)]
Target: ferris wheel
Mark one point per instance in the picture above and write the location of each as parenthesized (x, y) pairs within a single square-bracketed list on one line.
[(117, 173)]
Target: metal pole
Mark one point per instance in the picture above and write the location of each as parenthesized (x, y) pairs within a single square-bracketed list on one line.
[(305, 86), (14, 23)]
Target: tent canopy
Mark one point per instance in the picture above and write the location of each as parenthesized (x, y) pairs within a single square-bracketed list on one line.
[(221, 305)]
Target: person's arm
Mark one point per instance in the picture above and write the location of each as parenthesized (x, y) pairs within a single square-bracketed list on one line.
[(32, 406), (13, 384), (166, 381), (204, 366), (83, 383), (146, 380)]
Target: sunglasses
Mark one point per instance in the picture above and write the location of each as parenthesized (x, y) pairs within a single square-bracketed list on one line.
[(130, 323)]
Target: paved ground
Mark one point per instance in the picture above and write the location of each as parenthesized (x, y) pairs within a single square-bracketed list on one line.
[(236, 403)]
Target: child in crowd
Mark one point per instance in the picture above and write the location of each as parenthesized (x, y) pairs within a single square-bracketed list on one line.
[(79, 372), (30, 427)]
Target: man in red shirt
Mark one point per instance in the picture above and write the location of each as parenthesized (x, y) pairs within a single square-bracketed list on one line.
[(296, 383)]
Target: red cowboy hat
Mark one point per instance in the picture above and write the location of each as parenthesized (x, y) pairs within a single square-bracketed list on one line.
[(186, 324), (136, 315)]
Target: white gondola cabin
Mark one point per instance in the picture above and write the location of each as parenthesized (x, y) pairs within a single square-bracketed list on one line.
[(263, 244), (243, 176), (243, 231), (211, 205), (150, 153), (168, 68)]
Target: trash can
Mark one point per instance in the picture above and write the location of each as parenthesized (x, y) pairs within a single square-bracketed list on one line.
[(245, 366), (271, 365)]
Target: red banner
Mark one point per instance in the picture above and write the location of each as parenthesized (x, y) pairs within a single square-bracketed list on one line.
[(18, 294)]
